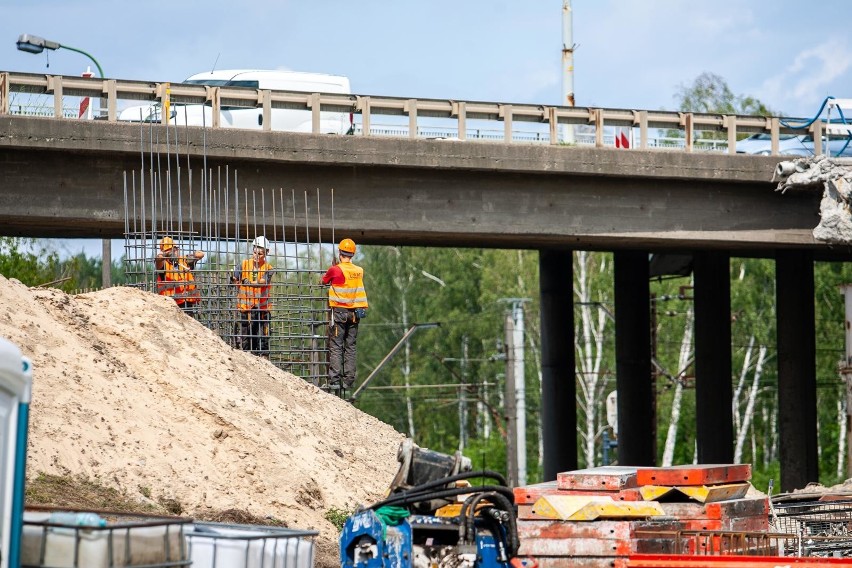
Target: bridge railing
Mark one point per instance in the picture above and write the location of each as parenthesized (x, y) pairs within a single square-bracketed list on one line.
[(494, 121)]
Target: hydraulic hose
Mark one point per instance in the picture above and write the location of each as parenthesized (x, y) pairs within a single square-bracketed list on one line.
[(808, 123), (424, 488), (411, 498), (468, 520)]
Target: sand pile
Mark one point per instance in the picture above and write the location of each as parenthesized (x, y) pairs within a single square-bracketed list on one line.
[(134, 394)]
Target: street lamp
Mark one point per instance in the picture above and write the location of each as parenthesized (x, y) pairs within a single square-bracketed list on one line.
[(36, 44)]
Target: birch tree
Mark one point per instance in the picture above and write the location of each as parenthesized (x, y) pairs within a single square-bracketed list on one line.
[(749, 409), (680, 378), (589, 346)]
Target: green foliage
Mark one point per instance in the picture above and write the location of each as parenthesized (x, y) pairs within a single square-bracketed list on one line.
[(36, 264), (462, 289), (760, 477), (710, 93), (490, 454), (337, 517), (28, 262)]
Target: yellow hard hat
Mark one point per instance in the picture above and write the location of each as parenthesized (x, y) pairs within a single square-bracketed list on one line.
[(166, 244), (347, 247)]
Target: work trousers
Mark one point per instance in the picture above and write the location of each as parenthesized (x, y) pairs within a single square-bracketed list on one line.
[(253, 333), (342, 335), (189, 308)]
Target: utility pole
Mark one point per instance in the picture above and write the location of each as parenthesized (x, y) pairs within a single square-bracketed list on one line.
[(516, 419), (846, 374), (568, 63), (463, 397)]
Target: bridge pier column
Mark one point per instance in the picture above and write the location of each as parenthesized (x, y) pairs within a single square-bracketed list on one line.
[(106, 267), (558, 384), (636, 400), (713, 391), (796, 346)]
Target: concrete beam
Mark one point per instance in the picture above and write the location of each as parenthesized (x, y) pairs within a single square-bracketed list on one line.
[(65, 178)]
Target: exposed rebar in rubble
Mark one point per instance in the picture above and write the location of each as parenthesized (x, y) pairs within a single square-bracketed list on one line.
[(222, 219), (822, 528), (832, 176)]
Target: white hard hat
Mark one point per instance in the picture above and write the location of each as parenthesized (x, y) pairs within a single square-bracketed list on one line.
[(261, 242)]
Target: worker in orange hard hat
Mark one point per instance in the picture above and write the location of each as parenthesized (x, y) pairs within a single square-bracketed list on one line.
[(347, 300), (254, 280), (175, 278)]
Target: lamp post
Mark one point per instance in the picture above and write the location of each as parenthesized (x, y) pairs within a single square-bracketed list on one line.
[(35, 44)]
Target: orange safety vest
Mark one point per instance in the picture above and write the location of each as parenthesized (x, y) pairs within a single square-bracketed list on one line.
[(352, 294), (177, 281), (249, 297)]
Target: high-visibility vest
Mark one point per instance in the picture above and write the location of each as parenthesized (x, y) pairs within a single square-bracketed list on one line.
[(176, 281), (250, 297), (352, 294)]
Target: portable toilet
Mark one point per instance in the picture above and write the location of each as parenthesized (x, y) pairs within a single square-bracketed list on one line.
[(15, 393)]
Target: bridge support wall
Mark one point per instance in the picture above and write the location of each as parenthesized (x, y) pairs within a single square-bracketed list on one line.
[(636, 401), (796, 347), (713, 394), (558, 383)]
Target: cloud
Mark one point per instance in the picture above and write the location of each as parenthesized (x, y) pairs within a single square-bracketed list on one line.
[(811, 74)]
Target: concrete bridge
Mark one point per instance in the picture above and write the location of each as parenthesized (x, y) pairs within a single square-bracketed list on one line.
[(65, 178)]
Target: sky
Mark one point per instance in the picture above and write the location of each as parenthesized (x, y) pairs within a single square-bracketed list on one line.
[(633, 54)]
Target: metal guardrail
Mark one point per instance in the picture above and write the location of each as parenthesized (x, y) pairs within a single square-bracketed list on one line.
[(111, 91)]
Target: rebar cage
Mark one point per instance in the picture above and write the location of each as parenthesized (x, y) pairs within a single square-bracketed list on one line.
[(823, 528), (222, 221), (723, 543)]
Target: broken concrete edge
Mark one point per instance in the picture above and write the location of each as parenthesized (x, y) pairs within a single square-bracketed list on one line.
[(833, 176)]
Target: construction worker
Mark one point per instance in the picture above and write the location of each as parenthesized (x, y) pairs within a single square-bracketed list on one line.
[(174, 276), (347, 299), (254, 280)]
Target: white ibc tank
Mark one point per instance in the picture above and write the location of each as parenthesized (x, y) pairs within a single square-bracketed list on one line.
[(15, 392), (212, 545)]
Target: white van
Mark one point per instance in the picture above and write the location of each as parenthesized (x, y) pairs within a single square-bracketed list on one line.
[(290, 120)]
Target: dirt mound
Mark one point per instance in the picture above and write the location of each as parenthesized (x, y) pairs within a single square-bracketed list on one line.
[(132, 393)]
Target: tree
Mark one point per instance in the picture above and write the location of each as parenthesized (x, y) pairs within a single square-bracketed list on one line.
[(710, 93), (590, 343)]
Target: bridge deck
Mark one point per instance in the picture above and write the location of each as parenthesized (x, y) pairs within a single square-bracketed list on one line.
[(65, 178)]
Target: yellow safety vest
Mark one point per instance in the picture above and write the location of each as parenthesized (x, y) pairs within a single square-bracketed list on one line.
[(352, 294)]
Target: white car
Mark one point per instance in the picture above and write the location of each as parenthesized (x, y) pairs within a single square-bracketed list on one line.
[(291, 120), (792, 145)]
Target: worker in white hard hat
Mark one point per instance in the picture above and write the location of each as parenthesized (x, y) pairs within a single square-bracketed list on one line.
[(254, 281)]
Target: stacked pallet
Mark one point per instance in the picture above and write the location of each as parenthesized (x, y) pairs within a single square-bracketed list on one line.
[(599, 516)]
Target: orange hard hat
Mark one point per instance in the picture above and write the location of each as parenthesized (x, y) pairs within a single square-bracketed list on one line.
[(166, 244), (347, 247)]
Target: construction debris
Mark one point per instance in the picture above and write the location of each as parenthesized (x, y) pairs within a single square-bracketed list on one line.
[(692, 510), (834, 177)]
